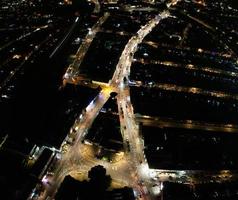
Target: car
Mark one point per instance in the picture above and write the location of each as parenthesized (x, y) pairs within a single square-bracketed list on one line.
[(128, 145)]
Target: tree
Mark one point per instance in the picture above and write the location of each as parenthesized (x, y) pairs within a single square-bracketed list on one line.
[(95, 188), (68, 189), (83, 6), (98, 178)]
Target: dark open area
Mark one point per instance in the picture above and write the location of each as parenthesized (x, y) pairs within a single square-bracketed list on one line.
[(105, 132), (183, 149), (212, 191)]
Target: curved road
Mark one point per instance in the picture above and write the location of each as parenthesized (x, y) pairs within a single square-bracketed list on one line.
[(132, 170)]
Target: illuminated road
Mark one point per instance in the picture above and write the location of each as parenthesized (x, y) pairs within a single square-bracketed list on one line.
[(77, 158), (123, 66), (188, 66), (131, 169), (71, 160), (74, 159), (65, 37), (73, 69), (27, 58), (24, 36), (212, 30), (187, 124), (193, 176), (129, 128), (129, 8), (192, 90), (23, 59), (186, 48), (97, 6)]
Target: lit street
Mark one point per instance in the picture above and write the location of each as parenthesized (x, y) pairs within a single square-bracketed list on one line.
[(119, 99)]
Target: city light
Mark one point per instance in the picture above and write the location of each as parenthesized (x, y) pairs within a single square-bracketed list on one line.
[(145, 91)]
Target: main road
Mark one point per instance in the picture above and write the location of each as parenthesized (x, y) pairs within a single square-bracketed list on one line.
[(132, 169)]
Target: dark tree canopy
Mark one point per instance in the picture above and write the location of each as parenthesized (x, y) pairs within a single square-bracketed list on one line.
[(98, 178), (68, 189), (95, 188), (83, 6)]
